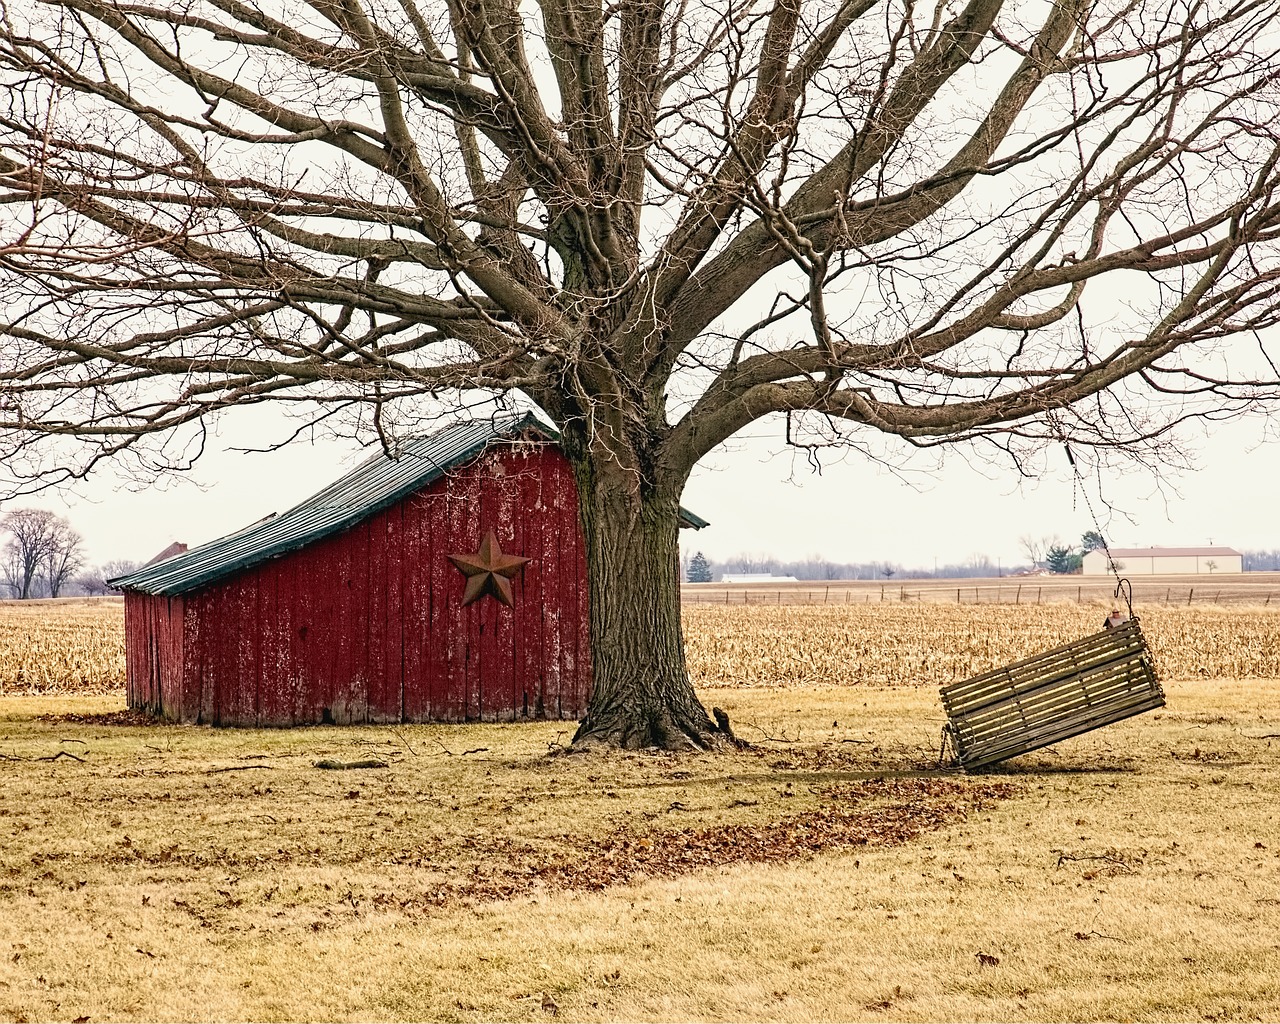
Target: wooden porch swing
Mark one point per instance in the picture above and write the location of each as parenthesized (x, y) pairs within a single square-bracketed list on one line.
[(1103, 678)]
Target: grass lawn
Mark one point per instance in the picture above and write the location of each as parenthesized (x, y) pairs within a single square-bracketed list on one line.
[(829, 872)]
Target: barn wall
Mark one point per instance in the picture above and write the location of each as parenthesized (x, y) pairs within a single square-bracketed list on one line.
[(154, 653), (367, 625)]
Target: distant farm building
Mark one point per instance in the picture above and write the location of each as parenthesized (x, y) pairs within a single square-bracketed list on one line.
[(756, 577), (447, 584), (1157, 561)]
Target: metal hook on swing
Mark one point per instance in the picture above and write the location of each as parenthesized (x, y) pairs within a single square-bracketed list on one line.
[(1121, 584)]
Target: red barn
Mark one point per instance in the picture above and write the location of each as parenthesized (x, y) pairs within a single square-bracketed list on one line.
[(383, 598)]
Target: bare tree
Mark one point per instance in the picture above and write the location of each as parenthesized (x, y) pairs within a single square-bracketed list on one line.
[(31, 534), (1037, 548), (64, 557), (1002, 225)]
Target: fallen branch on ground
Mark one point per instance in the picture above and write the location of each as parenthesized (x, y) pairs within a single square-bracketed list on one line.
[(344, 765), (238, 768)]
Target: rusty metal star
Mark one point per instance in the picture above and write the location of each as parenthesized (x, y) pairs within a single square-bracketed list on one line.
[(488, 571)]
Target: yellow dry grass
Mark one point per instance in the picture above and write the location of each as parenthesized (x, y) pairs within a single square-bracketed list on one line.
[(62, 646), (1133, 874), (904, 644)]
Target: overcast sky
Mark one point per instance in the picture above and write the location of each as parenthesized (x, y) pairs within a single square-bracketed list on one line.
[(760, 501)]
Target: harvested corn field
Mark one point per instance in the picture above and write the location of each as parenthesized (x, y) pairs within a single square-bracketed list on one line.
[(66, 646), (929, 645), (78, 646)]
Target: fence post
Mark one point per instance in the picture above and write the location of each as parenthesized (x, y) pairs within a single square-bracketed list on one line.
[(1189, 593), (957, 595), (826, 594), (1039, 591), (1017, 598), (1079, 593)]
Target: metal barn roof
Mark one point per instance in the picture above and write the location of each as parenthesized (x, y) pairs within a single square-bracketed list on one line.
[(377, 483), (1167, 552)]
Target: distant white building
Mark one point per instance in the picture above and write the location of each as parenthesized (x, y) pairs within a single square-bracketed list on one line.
[(1157, 561), (756, 577)]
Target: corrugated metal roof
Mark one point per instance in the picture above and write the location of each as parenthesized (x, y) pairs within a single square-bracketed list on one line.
[(1167, 552), (377, 483)]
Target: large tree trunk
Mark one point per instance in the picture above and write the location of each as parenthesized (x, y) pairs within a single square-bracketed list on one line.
[(642, 696)]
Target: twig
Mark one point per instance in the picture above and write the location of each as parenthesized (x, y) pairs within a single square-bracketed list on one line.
[(239, 768), (400, 736), (475, 750), (1064, 857), (61, 753), (1264, 736)]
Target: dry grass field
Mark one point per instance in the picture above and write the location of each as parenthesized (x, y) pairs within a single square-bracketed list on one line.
[(832, 871)]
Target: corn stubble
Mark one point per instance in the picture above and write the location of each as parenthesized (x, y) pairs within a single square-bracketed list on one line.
[(72, 646), (78, 646), (894, 644)]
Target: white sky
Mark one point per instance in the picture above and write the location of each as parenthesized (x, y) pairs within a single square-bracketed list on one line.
[(854, 511)]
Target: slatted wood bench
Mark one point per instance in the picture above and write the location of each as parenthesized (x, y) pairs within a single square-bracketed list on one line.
[(1104, 678)]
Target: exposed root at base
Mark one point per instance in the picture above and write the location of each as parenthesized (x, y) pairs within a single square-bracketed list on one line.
[(656, 731)]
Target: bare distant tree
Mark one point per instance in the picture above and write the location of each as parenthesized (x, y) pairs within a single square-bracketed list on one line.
[(1036, 548), (30, 533), (1010, 225), (92, 582), (65, 555), (114, 569)]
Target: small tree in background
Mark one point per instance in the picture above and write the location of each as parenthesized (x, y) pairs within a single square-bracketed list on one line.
[(65, 555), (1062, 559), (699, 569), (1092, 540)]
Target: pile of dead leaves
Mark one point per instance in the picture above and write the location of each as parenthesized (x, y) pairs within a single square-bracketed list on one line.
[(127, 716), (875, 812)]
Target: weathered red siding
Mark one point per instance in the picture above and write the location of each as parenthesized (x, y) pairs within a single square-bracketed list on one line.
[(368, 625)]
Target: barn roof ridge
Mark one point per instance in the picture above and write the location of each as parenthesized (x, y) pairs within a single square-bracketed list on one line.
[(375, 484), (1159, 552)]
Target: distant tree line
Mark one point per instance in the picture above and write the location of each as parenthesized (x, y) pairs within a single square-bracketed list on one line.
[(1047, 553), (42, 555), (698, 568), (1262, 561)]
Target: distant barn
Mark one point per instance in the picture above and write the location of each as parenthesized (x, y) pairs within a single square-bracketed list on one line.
[(383, 598), (1157, 561)]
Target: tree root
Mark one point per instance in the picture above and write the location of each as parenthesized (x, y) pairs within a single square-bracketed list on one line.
[(662, 730)]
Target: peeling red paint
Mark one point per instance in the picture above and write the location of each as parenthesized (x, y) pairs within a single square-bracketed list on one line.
[(368, 625)]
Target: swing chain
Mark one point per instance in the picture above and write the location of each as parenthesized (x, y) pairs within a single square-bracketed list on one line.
[(1124, 588)]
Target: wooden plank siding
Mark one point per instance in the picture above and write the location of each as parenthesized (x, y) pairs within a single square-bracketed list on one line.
[(367, 625)]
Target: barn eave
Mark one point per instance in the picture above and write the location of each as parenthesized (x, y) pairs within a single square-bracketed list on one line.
[(377, 483)]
